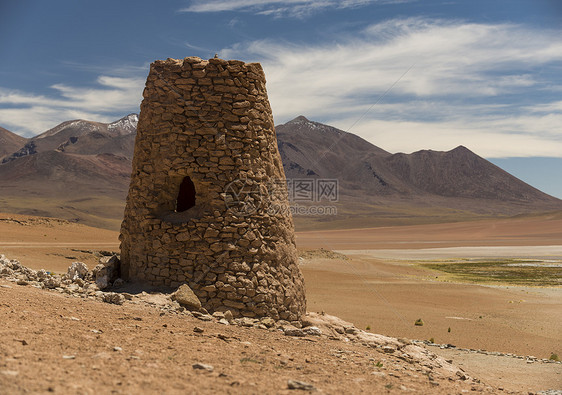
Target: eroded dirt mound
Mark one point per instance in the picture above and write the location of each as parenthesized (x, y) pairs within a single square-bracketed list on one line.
[(321, 253)]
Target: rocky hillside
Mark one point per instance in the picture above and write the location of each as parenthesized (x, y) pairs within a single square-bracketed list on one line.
[(9, 142), (83, 138)]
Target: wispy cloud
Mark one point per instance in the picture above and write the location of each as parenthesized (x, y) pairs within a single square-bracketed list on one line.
[(491, 87), (475, 80), (197, 48), (29, 114), (294, 8)]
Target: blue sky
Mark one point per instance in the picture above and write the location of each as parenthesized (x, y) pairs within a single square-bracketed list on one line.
[(484, 74)]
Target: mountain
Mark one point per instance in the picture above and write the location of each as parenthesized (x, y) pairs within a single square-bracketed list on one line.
[(311, 149), (79, 170), (428, 185), (462, 173), (10, 142), (84, 137)]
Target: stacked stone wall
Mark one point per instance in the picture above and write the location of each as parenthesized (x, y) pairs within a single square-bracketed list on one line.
[(211, 121)]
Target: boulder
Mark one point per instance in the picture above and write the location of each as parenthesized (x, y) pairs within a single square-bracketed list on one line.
[(113, 298), (107, 271), (78, 270), (52, 282), (293, 331), (185, 297)]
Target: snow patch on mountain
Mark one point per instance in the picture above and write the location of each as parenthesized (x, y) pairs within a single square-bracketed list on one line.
[(126, 124)]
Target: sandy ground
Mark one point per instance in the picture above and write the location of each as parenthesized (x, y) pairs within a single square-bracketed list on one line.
[(384, 294), (52, 343), (506, 372), (389, 298), (51, 244), (533, 231)]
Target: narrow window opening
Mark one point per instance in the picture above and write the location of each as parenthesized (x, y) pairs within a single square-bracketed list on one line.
[(186, 195)]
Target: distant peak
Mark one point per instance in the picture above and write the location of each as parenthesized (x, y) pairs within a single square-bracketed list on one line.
[(461, 148), (131, 117), (127, 123), (300, 119)]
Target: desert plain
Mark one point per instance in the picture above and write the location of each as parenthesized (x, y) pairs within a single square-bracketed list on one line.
[(378, 279)]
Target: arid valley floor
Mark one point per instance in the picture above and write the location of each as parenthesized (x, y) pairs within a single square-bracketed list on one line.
[(376, 279)]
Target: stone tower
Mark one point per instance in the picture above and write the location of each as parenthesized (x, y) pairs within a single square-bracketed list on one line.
[(207, 204)]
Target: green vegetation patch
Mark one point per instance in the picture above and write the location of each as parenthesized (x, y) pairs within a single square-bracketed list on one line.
[(501, 271)]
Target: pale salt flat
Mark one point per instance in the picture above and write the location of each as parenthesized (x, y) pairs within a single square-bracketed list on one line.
[(550, 253)]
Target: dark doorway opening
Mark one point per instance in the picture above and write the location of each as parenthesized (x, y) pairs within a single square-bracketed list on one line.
[(186, 195)]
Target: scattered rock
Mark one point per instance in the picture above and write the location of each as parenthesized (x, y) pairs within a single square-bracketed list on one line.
[(292, 331), (201, 316), (296, 324), (313, 331), (228, 316), (202, 366), (113, 298), (77, 271), (186, 298), (52, 282), (268, 321), (351, 330), (223, 337), (106, 272), (118, 349), (198, 330), (245, 321), (462, 376), (300, 385)]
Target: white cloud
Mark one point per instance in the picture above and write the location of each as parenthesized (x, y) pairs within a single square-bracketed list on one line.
[(555, 106), (30, 114), (489, 87), (298, 8), (494, 140), (36, 119), (477, 79)]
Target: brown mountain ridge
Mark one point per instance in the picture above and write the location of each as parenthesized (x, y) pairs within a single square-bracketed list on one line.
[(80, 170), (9, 142), (311, 149)]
